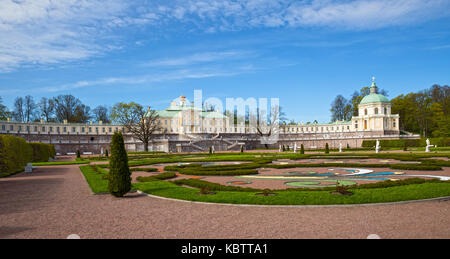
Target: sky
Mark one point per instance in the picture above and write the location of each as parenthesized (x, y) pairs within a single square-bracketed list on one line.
[(148, 51)]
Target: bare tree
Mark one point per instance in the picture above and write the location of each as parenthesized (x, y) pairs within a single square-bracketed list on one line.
[(101, 114), (19, 113), (29, 108), (142, 123), (70, 108), (266, 125), (47, 108)]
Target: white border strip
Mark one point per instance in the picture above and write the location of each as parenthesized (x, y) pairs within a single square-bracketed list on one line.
[(446, 198)]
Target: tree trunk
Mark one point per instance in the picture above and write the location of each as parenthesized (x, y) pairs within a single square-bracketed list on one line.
[(146, 146)]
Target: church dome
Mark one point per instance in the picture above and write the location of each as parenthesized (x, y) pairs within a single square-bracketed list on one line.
[(374, 96)]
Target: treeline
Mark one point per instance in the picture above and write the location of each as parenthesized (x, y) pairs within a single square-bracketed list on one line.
[(56, 109), (426, 112), (15, 153)]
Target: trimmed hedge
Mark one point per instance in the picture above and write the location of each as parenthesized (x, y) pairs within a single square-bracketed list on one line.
[(152, 178), (15, 153), (42, 152), (401, 143)]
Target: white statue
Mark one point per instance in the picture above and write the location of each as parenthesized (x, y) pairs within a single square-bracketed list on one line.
[(340, 147), (295, 147), (279, 150), (427, 148), (377, 147)]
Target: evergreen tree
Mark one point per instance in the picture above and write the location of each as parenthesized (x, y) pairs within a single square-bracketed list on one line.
[(78, 153), (327, 149), (119, 179), (106, 153), (302, 149), (242, 149), (348, 146)]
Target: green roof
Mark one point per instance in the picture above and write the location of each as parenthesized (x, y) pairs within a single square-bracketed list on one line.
[(374, 98)]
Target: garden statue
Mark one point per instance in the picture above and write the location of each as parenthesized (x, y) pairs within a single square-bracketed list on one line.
[(295, 147), (340, 147), (377, 147), (427, 148)]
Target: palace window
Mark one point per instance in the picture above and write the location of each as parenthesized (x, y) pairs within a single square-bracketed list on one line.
[(365, 111), (74, 129), (3, 127), (11, 128), (385, 110), (50, 129), (35, 128), (376, 110), (82, 129), (64, 129)]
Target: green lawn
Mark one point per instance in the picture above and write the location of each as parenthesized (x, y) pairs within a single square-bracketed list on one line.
[(61, 163), (378, 193), (361, 196)]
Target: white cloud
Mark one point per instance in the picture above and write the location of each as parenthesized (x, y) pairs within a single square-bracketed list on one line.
[(349, 14), (45, 31), (199, 58)]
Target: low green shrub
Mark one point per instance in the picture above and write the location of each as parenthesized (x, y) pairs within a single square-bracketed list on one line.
[(163, 176), (212, 186), (143, 169)]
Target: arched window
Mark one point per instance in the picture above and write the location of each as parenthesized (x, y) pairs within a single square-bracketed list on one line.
[(376, 110), (365, 111), (385, 110)]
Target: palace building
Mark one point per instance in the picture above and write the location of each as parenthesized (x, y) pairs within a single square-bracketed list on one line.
[(186, 128)]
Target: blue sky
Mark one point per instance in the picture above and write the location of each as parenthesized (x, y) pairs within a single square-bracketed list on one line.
[(150, 52)]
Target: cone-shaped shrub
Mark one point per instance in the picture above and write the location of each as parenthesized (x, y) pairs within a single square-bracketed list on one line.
[(302, 149), (78, 154), (327, 149), (119, 179), (106, 153)]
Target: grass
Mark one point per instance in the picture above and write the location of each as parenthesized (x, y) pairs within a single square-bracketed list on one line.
[(95, 179), (60, 163), (360, 196), (386, 191)]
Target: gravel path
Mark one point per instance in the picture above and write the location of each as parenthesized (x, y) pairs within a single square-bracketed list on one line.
[(54, 202)]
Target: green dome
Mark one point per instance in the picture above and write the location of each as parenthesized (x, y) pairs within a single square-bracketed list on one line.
[(374, 98)]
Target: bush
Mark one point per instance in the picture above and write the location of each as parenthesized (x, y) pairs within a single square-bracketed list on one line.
[(402, 143), (15, 153), (106, 153), (119, 180), (78, 153), (302, 149), (327, 149), (212, 186), (41, 152), (143, 169), (152, 178)]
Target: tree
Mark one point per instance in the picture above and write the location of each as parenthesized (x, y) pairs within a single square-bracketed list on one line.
[(139, 122), (19, 113), (302, 149), (119, 177), (46, 108), (4, 113), (327, 149), (70, 108), (82, 114), (29, 108), (341, 109), (101, 114)]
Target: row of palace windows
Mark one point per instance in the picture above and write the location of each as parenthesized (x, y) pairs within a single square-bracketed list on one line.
[(376, 111), (58, 129), (338, 128)]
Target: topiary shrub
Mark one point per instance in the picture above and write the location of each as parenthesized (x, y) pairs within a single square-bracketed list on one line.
[(302, 149), (119, 179), (327, 149), (106, 153), (78, 154)]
